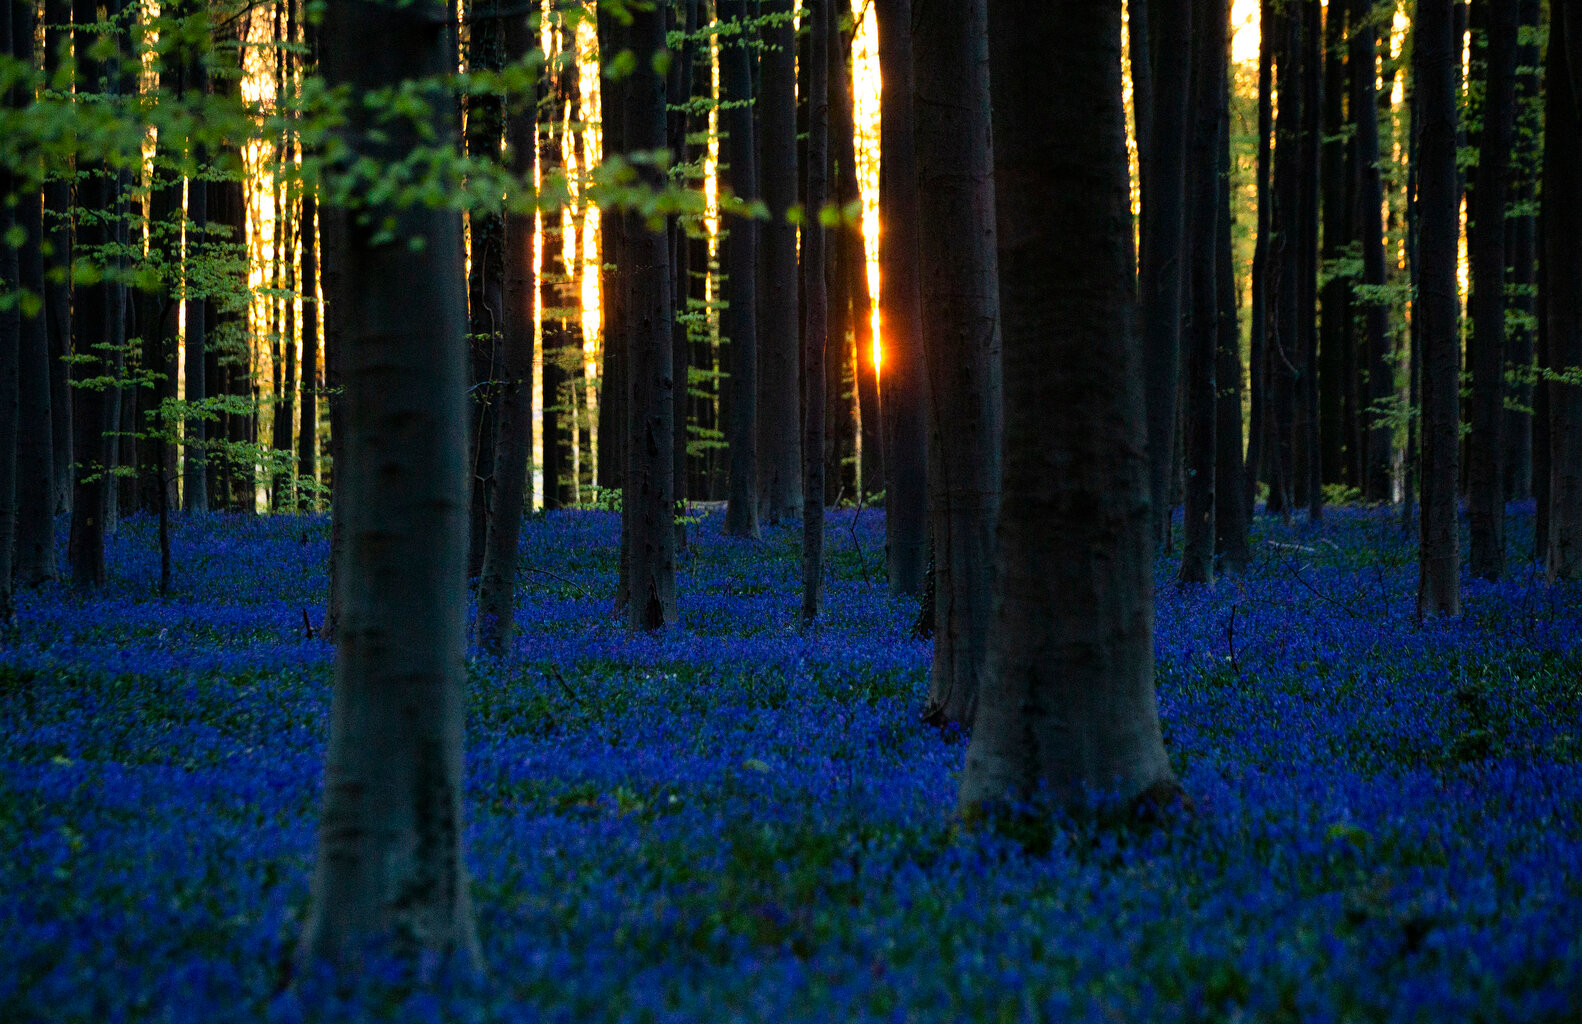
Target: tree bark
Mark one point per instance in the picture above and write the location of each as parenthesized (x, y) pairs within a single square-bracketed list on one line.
[(1336, 196), (1258, 362), (1068, 705), (901, 309), (1163, 242), (815, 305), (1380, 434), (779, 438), (738, 258), (1436, 59), (10, 350), (961, 338), (485, 283), (58, 283), (1562, 297), (1230, 486), (308, 275), (615, 249), (1521, 246), (1312, 58), (1486, 447), (1209, 28), (391, 872)]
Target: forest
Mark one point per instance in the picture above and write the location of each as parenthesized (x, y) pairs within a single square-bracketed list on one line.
[(667, 510)]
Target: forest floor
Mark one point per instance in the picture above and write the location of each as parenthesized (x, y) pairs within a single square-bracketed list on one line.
[(735, 821)]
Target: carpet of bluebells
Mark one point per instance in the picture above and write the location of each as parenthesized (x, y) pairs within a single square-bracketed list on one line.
[(737, 821)]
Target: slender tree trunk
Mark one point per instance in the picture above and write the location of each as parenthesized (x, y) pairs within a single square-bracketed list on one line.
[(1436, 64), (1209, 28), (1258, 334), (1562, 296), (648, 525), (1486, 449), (1286, 340), (1068, 705), (961, 338), (1163, 242), (1380, 434), (815, 303), (738, 257), (901, 309), (1230, 486), (334, 244), (308, 434), (391, 871), (779, 439), (58, 282), (1336, 196), (1307, 265), (616, 241), (485, 284), (1521, 247)]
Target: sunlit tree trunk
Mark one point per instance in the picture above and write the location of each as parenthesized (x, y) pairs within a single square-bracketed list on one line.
[(900, 309), (961, 338), (1067, 705), (1436, 66), (1486, 450), (391, 874), (1209, 27)]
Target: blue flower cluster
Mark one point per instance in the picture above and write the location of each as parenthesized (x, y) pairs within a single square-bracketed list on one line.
[(737, 821)]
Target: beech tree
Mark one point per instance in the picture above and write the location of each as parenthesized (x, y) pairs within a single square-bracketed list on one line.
[(779, 427), (1561, 297), (390, 873), (1379, 443), (961, 338), (1436, 68), (738, 258), (1067, 703), (901, 309), (815, 306)]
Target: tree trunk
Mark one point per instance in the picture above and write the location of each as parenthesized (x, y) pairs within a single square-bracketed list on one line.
[(648, 525), (1486, 448), (1209, 28), (779, 437), (58, 283), (11, 99), (1230, 486), (1380, 434), (514, 424), (1068, 707), (308, 275), (1163, 241), (616, 241), (1521, 248), (1563, 287), (391, 872), (1307, 265), (1258, 361), (815, 304), (485, 284), (901, 309), (1436, 57), (961, 339), (1336, 195), (738, 257)]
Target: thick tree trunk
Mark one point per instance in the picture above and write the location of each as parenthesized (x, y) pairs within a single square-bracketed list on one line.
[(901, 309), (616, 234), (10, 350), (1336, 196), (391, 872), (738, 258), (815, 305), (1486, 448), (1312, 58), (779, 437), (1230, 486), (961, 338), (1562, 295), (1521, 249), (485, 284), (648, 524), (1209, 27), (1068, 707), (1163, 242), (1436, 65), (334, 243), (514, 406)]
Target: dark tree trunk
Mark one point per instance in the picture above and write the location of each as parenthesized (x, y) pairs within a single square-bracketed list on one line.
[(779, 437), (1163, 242), (815, 305), (58, 283), (1521, 249), (680, 122), (900, 309), (1312, 60), (391, 871), (1486, 448), (1286, 339), (1258, 362), (1230, 486), (1335, 333), (615, 249), (485, 284), (1436, 69), (334, 244), (1380, 434), (195, 487), (514, 424), (35, 462), (738, 258), (961, 339), (1209, 28), (308, 434), (648, 536), (1068, 707), (10, 349), (1562, 295)]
